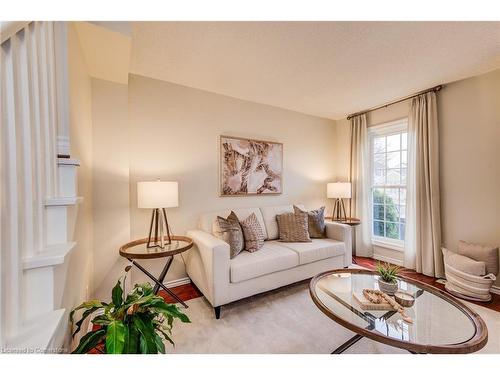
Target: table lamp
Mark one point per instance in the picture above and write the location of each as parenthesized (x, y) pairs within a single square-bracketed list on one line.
[(338, 191), (158, 195)]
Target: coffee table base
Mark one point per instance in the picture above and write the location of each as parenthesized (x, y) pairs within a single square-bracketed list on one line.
[(353, 340)]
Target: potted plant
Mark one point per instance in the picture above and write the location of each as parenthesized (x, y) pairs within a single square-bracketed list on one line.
[(136, 323), (388, 280)]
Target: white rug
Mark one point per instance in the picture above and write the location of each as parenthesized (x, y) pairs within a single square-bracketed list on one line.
[(283, 321)]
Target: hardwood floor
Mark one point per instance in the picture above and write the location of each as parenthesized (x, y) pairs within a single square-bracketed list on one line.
[(189, 291), (184, 292)]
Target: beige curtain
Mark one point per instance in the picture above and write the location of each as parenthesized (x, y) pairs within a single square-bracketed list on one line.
[(360, 185), (423, 229)]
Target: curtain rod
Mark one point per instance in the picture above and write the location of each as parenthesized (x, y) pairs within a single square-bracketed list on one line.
[(433, 89)]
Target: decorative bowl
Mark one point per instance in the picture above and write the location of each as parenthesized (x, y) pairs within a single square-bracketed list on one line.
[(388, 288), (404, 299)]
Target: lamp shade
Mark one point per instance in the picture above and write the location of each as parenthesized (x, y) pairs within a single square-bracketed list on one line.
[(157, 194), (338, 190)]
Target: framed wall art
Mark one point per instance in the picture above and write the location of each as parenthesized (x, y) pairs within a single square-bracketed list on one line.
[(250, 167)]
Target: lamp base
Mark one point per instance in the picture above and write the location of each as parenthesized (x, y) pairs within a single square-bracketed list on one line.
[(339, 213), (161, 230)]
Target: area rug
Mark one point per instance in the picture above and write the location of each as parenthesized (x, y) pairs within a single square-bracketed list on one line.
[(283, 321)]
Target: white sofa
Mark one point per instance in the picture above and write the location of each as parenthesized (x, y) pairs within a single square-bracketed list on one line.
[(223, 280)]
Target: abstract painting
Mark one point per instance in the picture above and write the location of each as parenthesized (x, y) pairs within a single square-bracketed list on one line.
[(250, 167)]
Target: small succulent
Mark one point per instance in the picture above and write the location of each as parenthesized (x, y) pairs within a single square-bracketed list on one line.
[(388, 272)]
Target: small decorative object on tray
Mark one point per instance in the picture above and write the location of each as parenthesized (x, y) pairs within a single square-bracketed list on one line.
[(388, 281), (376, 297), (404, 299)]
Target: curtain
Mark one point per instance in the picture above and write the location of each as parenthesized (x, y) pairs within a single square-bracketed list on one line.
[(360, 185), (423, 225)]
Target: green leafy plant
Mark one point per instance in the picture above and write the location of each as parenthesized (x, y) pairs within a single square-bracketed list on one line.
[(388, 272), (135, 323)]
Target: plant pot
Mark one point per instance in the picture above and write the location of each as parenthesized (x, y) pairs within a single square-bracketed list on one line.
[(388, 288)]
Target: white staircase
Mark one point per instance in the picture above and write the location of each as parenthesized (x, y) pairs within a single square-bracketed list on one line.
[(38, 192), (44, 272)]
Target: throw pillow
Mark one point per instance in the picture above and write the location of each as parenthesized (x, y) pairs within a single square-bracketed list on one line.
[(229, 231), (463, 263), (316, 221), (293, 227), (252, 233), (486, 254)]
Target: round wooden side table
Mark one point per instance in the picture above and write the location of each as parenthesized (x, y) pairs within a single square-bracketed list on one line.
[(138, 250)]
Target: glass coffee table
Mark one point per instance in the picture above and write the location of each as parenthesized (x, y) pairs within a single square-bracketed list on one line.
[(441, 323)]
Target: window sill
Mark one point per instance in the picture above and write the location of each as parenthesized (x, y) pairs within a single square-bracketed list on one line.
[(388, 245)]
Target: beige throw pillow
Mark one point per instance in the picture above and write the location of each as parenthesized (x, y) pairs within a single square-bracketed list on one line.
[(293, 227), (316, 221), (252, 233), (229, 231), (463, 263), (486, 254)]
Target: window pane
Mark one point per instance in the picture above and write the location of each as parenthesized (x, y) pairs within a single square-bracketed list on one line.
[(394, 159), (378, 196), (389, 163), (378, 212), (392, 230), (392, 212), (402, 196), (378, 228), (393, 177), (391, 196), (379, 144), (379, 161), (379, 177), (393, 142), (402, 214), (402, 232)]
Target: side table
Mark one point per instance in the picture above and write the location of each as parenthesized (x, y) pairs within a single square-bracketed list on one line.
[(138, 250)]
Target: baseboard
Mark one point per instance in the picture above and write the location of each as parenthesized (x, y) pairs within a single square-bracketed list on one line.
[(387, 259), (495, 289), (178, 282)]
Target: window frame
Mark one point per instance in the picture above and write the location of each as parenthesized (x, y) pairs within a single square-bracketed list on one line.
[(384, 129)]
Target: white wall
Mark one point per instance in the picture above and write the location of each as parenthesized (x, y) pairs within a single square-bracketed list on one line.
[(79, 274), (174, 135), (469, 118), (469, 131), (110, 185)]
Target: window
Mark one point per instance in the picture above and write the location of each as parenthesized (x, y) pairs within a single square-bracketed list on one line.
[(388, 159)]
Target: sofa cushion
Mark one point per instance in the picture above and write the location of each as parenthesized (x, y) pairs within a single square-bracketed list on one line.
[(317, 249), (230, 231), (269, 216), (271, 258), (481, 253), (253, 233), (293, 227), (316, 220), (207, 220)]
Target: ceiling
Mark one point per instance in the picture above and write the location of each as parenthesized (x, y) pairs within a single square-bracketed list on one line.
[(327, 69), (106, 51)]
